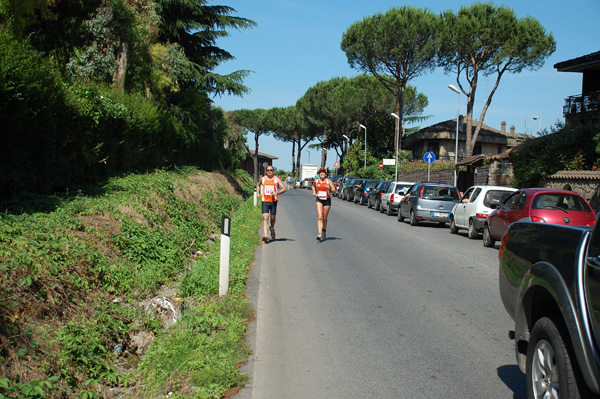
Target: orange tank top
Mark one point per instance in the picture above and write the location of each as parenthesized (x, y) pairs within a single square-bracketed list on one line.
[(269, 190), (322, 188)]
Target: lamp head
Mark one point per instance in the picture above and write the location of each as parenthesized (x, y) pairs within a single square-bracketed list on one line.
[(454, 89)]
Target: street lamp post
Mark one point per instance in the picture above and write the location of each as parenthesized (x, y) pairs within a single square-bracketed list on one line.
[(540, 119), (364, 127), (454, 89), (397, 142)]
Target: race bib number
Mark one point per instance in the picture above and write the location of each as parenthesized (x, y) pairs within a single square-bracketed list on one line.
[(322, 195), (269, 190)]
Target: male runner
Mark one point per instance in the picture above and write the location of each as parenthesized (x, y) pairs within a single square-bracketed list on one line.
[(269, 187)]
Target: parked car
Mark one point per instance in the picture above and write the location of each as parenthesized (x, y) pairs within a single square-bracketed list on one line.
[(349, 189), (475, 206), (374, 199), (343, 183), (390, 200), (431, 202), (297, 183), (541, 205), (361, 193), (307, 182)]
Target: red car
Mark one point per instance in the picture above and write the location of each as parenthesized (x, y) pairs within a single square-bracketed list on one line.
[(541, 205)]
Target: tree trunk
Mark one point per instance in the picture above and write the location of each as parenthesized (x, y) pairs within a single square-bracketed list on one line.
[(293, 156), (324, 150), (121, 71), (255, 157)]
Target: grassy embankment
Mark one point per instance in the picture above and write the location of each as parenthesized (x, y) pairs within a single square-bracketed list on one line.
[(83, 276)]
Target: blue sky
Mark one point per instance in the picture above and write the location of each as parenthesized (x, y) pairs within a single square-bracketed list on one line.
[(297, 44)]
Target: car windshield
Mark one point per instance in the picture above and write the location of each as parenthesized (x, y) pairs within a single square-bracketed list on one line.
[(568, 202), (372, 183), (440, 193), (495, 197)]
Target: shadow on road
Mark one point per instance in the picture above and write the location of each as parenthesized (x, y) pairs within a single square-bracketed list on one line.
[(514, 379)]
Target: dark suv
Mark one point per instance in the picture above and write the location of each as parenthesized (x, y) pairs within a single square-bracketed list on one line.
[(428, 202), (361, 193), (374, 199)]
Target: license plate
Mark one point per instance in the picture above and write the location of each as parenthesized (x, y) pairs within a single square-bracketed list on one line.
[(439, 214)]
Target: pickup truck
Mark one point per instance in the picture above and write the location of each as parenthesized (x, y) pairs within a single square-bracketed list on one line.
[(549, 281)]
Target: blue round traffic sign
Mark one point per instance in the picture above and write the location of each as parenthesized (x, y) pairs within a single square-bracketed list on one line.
[(429, 157)]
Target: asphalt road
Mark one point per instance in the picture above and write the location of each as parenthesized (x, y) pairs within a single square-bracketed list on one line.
[(379, 309)]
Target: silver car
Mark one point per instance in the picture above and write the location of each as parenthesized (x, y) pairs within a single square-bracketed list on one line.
[(475, 206), (390, 200), (431, 202)]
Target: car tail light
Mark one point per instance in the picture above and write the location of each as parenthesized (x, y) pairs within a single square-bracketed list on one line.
[(392, 198), (365, 192), (503, 244), (481, 215), (380, 195), (537, 219), (590, 223), (421, 191)]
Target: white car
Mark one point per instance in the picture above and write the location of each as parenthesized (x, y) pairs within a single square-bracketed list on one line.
[(390, 200), (474, 207)]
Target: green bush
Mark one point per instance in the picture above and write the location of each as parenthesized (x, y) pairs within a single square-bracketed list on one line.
[(572, 147)]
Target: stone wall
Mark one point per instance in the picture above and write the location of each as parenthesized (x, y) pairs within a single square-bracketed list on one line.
[(586, 183)]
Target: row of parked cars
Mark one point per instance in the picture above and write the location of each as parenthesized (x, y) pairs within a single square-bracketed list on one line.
[(485, 211)]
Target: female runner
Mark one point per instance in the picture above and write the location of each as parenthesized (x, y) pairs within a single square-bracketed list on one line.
[(322, 189)]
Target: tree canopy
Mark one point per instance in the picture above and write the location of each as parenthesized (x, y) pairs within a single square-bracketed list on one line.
[(488, 40), (395, 47)]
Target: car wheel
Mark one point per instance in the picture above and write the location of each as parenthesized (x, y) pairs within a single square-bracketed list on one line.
[(453, 229), (389, 210), (377, 205), (400, 217), (488, 241), (354, 200), (369, 203), (381, 208), (413, 218), (549, 371), (473, 233)]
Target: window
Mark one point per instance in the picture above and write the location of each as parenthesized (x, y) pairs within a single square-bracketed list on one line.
[(467, 195), (434, 146), (476, 194), (495, 197), (510, 201), (520, 204), (477, 149)]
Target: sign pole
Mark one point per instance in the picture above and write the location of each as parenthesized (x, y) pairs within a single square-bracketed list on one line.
[(225, 248), (429, 157)]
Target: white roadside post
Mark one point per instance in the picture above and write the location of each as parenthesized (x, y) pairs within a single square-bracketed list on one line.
[(255, 197), (225, 247)]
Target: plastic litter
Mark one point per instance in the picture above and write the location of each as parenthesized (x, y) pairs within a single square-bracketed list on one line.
[(163, 306)]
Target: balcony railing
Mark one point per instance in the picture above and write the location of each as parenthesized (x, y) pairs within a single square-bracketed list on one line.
[(582, 103)]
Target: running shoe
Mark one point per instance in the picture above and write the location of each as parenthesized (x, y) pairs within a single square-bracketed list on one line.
[(265, 239), (272, 233), (319, 237), (324, 234)]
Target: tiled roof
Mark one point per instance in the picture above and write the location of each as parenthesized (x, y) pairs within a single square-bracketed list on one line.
[(576, 174), (261, 154), (472, 160)]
